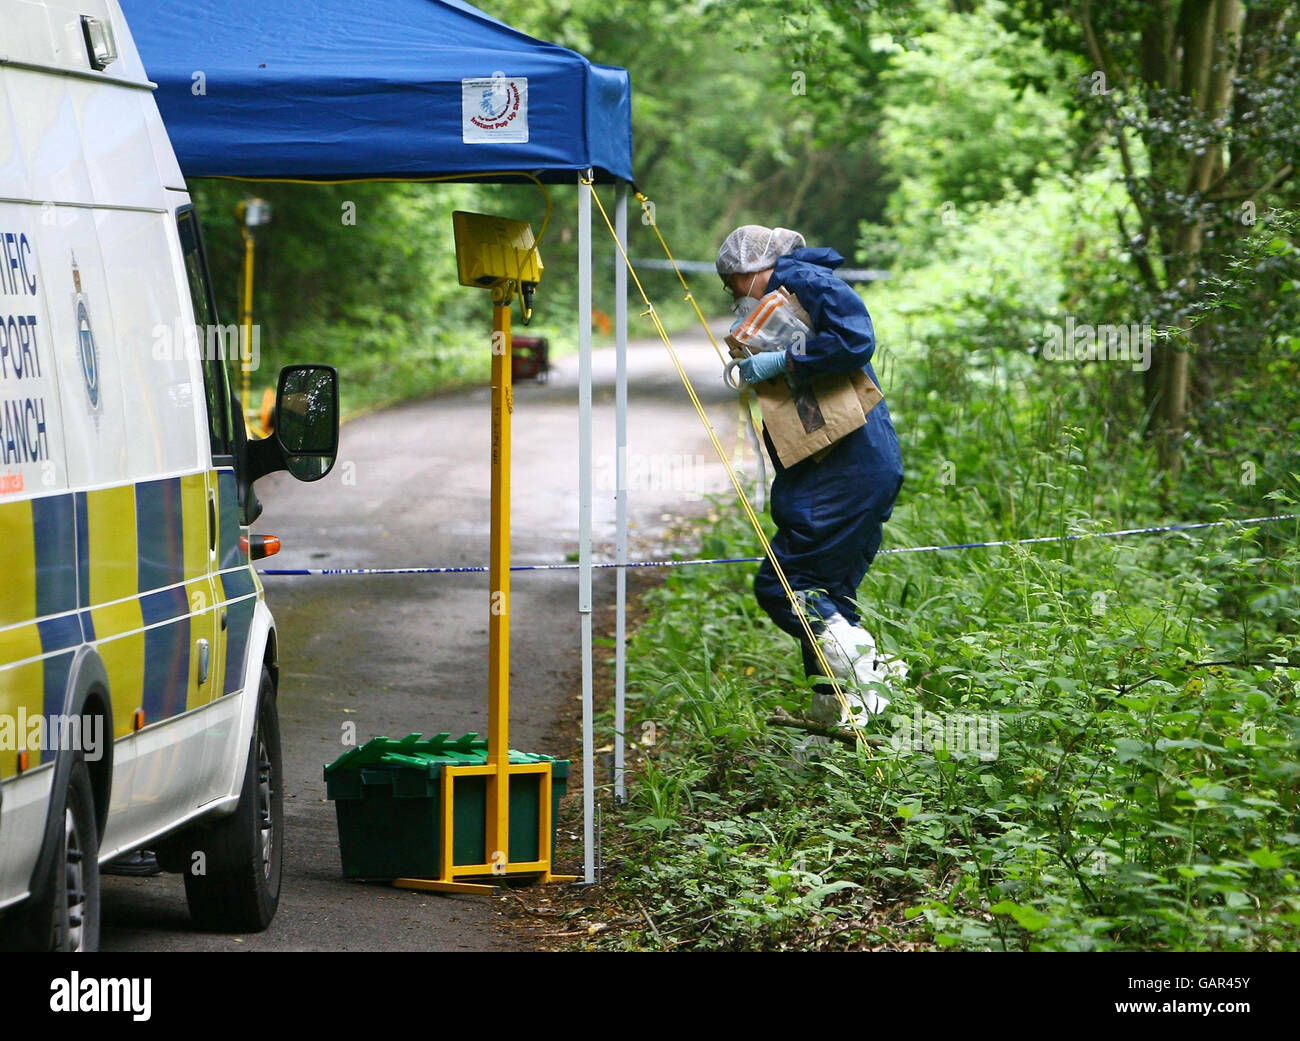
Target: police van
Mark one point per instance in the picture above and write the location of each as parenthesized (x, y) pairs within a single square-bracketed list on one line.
[(138, 659)]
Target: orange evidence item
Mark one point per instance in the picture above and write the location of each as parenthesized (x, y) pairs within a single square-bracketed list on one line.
[(24, 760), (139, 719)]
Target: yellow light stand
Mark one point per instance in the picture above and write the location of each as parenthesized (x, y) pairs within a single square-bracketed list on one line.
[(498, 254), (252, 213)]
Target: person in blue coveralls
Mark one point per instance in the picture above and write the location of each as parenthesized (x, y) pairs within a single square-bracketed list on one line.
[(828, 514)]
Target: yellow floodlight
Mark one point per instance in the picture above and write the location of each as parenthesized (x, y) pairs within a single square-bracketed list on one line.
[(493, 250)]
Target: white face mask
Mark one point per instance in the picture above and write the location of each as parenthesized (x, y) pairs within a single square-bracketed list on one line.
[(740, 306)]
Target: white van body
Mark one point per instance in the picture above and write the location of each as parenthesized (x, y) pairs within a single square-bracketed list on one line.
[(126, 594)]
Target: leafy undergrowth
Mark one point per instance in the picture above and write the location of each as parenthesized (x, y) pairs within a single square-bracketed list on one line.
[(1095, 749), (1060, 777)]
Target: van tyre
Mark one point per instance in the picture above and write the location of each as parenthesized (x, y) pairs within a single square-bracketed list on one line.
[(67, 917), (74, 922), (240, 889)]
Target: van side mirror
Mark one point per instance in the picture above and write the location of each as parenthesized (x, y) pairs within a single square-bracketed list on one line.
[(306, 437)]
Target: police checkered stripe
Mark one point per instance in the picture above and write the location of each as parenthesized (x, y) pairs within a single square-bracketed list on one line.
[(126, 568)]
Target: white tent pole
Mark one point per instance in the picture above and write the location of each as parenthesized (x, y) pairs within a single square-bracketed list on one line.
[(584, 524), (620, 494)]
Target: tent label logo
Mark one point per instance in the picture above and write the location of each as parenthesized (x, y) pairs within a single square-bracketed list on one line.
[(494, 109)]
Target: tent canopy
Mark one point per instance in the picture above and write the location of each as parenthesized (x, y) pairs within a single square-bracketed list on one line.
[(333, 89)]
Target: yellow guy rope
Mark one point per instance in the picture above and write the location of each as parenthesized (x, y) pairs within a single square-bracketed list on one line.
[(653, 315), (748, 401), (642, 199)]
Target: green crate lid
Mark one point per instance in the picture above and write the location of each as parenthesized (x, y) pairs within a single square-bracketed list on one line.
[(415, 751)]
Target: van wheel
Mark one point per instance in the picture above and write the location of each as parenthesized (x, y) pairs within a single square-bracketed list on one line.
[(243, 897), (67, 918), (74, 924)]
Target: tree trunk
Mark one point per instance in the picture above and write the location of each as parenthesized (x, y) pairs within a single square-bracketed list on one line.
[(1210, 37)]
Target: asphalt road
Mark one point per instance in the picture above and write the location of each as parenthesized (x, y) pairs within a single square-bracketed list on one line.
[(397, 654)]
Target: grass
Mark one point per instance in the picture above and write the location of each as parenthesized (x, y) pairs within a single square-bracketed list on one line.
[(1096, 750)]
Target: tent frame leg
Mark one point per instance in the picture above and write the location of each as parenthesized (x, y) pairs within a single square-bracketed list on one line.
[(620, 496), (584, 523)]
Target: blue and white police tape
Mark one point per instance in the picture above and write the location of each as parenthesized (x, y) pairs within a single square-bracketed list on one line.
[(478, 568)]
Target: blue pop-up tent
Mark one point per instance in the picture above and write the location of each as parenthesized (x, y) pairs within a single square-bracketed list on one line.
[(322, 89), (408, 89)]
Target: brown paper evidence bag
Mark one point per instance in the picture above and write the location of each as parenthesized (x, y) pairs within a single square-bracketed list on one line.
[(808, 419)]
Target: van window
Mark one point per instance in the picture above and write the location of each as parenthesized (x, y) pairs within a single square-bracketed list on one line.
[(216, 388)]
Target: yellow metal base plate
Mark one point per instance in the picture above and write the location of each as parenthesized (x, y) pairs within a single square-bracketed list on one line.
[(438, 885)]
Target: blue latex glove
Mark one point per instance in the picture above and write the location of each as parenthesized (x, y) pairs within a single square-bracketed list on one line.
[(759, 367)]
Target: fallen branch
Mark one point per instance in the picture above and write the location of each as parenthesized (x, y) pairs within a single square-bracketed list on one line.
[(650, 922), (782, 718)]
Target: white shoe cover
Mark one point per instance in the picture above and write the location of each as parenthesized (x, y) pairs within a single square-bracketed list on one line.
[(851, 653), (837, 643)]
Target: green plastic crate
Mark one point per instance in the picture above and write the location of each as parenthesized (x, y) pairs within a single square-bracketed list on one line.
[(387, 795)]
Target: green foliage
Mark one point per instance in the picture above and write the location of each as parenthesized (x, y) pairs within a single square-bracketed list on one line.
[(1142, 793), (953, 143), (362, 276), (1139, 790), (755, 113), (993, 273), (973, 137)]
